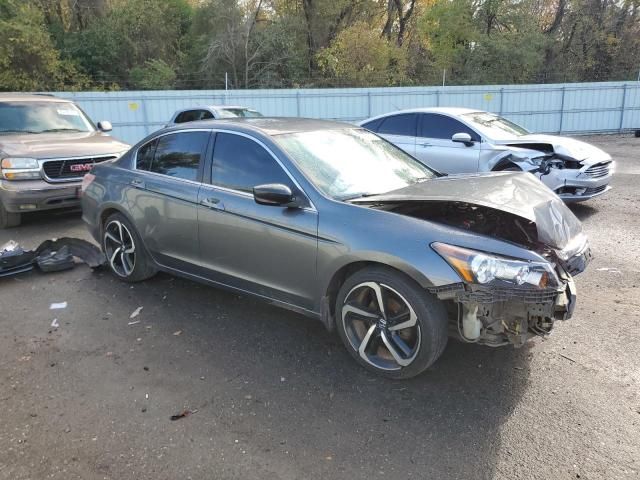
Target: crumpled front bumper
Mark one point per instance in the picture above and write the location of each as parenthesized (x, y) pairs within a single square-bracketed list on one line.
[(504, 315), (577, 185)]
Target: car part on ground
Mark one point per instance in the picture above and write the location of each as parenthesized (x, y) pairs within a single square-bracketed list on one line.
[(460, 140), (336, 223), (50, 256), (47, 144)]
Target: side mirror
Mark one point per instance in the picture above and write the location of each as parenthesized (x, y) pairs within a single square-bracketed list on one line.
[(462, 138), (274, 194), (105, 126)]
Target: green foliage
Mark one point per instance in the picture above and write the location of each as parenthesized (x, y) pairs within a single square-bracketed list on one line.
[(359, 56), (158, 44), (153, 75), (28, 58)]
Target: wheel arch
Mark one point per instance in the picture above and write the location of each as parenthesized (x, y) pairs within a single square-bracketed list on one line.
[(330, 291)]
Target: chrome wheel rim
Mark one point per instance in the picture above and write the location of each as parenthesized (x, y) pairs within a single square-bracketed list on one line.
[(119, 248), (381, 326)]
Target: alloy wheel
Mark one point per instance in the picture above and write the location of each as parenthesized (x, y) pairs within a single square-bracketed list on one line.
[(381, 326), (120, 248)]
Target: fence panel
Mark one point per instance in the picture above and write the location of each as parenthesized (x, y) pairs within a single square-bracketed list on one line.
[(569, 109)]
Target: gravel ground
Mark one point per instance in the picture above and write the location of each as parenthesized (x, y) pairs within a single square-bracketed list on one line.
[(277, 397)]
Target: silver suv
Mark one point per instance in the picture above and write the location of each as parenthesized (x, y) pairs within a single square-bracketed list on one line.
[(47, 144)]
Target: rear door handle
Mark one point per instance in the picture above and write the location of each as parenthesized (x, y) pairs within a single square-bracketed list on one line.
[(137, 183), (213, 203), (425, 144)]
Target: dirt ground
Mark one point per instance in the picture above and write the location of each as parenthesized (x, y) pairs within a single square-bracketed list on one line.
[(277, 397)]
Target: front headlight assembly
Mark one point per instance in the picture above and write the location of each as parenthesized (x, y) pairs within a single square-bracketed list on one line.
[(19, 168), (489, 269)]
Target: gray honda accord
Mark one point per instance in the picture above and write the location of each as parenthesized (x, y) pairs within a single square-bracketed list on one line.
[(336, 223)]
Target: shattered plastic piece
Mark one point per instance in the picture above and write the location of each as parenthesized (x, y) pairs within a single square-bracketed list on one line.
[(50, 256), (179, 332), (136, 312), (56, 260), (183, 414), (135, 322), (55, 323), (13, 259), (58, 306)]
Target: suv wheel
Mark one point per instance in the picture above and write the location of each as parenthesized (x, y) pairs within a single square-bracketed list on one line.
[(9, 219), (124, 250), (389, 324)]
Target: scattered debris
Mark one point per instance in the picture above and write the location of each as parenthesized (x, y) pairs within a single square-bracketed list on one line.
[(146, 369), (567, 358), (610, 270), (282, 379), (183, 414), (179, 332), (50, 256), (134, 322), (58, 306), (55, 323), (136, 312)]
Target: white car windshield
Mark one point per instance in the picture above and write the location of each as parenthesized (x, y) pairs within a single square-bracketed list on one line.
[(352, 163), (238, 112), (494, 126), (42, 117)]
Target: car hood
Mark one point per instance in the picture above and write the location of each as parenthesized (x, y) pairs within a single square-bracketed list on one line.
[(570, 147), (56, 145), (516, 193)]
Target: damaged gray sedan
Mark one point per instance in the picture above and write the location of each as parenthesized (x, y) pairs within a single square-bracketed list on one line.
[(336, 223)]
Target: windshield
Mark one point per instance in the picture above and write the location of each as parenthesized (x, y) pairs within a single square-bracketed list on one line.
[(40, 117), (351, 163), (239, 112), (494, 126)]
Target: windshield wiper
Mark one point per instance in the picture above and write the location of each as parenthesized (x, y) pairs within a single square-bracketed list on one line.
[(355, 196), (49, 130), (17, 131)]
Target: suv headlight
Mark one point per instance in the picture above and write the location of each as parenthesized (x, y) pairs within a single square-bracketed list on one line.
[(19, 168), (485, 268)]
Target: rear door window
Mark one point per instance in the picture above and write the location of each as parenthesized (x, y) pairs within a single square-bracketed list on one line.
[(440, 126), (144, 158), (403, 124), (373, 125), (239, 163), (179, 154)]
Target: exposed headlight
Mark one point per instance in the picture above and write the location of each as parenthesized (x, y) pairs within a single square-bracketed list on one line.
[(19, 168), (485, 268)]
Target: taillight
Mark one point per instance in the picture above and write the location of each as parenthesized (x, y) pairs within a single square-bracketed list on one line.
[(86, 181)]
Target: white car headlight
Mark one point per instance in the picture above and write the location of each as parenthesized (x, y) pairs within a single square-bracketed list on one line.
[(19, 168), (485, 268)]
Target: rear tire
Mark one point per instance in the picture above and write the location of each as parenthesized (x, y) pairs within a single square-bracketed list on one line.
[(125, 252), (399, 341), (9, 219)]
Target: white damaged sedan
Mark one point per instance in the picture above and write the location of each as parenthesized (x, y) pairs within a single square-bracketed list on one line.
[(461, 140)]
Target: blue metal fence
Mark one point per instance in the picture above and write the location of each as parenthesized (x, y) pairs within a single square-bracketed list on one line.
[(576, 108)]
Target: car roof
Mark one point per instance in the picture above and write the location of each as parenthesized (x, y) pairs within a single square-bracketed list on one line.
[(268, 125), (215, 107), (452, 111), (24, 97)]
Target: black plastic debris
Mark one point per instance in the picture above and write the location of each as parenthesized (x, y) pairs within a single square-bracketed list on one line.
[(50, 256)]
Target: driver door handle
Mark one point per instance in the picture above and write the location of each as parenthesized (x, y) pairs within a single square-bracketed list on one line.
[(137, 183), (213, 203), (425, 144)]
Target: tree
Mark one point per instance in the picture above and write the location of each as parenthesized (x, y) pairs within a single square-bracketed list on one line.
[(361, 57), (28, 58)]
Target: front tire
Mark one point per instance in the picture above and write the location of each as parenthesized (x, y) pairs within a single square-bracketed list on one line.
[(9, 219), (389, 324), (124, 250)]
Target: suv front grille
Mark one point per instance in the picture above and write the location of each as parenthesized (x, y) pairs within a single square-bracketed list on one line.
[(71, 168), (598, 170)]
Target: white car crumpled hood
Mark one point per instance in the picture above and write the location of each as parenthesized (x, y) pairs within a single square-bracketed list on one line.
[(565, 146)]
